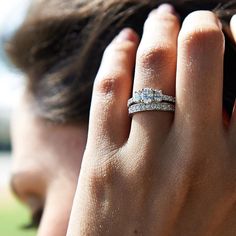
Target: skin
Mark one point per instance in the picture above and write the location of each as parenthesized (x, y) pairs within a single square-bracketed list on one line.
[(162, 173), (46, 166), (167, 173)]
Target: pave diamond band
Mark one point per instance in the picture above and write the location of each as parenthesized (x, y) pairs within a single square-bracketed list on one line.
[(149, 99), (148, 96), (140, 107)]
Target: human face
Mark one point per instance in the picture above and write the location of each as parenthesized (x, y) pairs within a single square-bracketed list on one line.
[(47, 159)]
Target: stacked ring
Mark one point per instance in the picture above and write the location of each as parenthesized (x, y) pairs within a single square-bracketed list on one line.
[(149, 99)]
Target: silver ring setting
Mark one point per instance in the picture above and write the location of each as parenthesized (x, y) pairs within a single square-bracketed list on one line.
[(148, 96), (149, 99), (151, 107)]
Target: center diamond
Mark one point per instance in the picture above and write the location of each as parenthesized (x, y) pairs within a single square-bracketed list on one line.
[(147, 95)]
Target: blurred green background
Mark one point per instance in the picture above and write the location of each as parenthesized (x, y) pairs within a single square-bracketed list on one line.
[(13, 216)]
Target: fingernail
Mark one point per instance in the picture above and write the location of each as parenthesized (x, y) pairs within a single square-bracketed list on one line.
[(127, 34), (166, 8)]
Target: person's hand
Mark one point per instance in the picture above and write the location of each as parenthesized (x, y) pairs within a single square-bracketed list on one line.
[(160, 173)]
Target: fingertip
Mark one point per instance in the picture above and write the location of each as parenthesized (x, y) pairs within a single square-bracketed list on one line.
[(233, 26), (233, 19), (127, 34)]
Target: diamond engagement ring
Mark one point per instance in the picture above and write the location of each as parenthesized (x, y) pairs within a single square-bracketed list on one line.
[(148, 96), (140, 107)]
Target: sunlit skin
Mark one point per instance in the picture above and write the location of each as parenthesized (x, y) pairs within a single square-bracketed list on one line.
[(47, 160), (119, 161), (167, 173)]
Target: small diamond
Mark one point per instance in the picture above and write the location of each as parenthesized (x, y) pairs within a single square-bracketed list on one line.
[(153, 106), (137, 97), (158, 96)]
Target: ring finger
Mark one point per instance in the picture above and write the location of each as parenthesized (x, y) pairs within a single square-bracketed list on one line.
[(156, 68)]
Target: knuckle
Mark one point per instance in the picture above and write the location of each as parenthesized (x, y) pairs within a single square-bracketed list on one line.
[(120, 47), (107, 84), (204, 36), (156, 56), (112, 74)]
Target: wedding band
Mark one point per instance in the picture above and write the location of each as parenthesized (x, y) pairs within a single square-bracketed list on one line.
[(141, 107), (148, 96)]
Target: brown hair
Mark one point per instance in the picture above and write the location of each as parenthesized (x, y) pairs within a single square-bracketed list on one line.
[(61, 42)]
